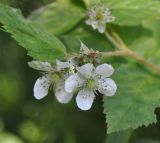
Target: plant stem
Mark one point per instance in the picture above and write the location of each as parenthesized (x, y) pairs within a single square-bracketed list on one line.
[(115, 39), (144, 61), (114, 53)]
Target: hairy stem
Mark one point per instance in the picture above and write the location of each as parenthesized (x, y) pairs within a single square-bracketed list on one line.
[(115, 39)]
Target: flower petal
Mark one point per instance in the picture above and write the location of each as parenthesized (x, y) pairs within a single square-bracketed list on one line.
[(104, 70), (101, 27), (86, 70), (84, 49), (41, 87), (42, 66), (63, 65), (73, 82), (94, 24), (107, 86), (61, 94), (88, 21), (110, 18), (107, 12), (85, 99)]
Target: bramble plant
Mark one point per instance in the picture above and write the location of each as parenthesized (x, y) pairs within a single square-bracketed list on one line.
[(119, 34)]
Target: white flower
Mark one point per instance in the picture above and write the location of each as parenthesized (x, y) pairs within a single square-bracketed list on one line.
[(90, 80), (98, 17), (50, 77)]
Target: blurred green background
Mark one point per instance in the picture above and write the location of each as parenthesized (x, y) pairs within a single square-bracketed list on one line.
[(24, 119)]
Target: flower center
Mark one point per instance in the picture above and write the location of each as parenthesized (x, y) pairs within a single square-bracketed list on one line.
[(91, 83), (55, 77), (72, 69), (99, 15)]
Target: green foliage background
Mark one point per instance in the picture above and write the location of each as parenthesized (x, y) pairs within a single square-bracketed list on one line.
[(24, 119)]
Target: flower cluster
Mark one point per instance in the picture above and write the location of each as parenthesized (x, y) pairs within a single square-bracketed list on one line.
[(98, 17), (82, 73)]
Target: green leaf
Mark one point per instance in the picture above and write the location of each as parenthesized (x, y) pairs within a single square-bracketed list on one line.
[(39, 44), (154, 27), (57, 17), (87, 35), (135, 85), (130, 34), (141, 40), (132, 12), (119, 137), (148, 48), (137, 97)]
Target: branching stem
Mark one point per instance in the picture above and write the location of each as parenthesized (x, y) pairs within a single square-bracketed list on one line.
[(115, 39)]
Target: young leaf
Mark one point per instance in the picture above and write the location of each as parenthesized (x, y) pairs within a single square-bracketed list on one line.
[(57, 17), (39, 44), (132, 12), (137, 97)]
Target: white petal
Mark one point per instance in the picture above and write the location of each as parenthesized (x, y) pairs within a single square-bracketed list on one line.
[(84, 49), (107, 86), (73, 82), (104, 70), (107, 12), (41, 87), (101, 28), (61, 94), (86, 70), (110, 18), (63, 65), (94, 24), (42, 66), (85, 99), (88, 21), (91, 13)]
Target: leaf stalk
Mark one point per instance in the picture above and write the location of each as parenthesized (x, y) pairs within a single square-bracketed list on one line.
[(124, 50)]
